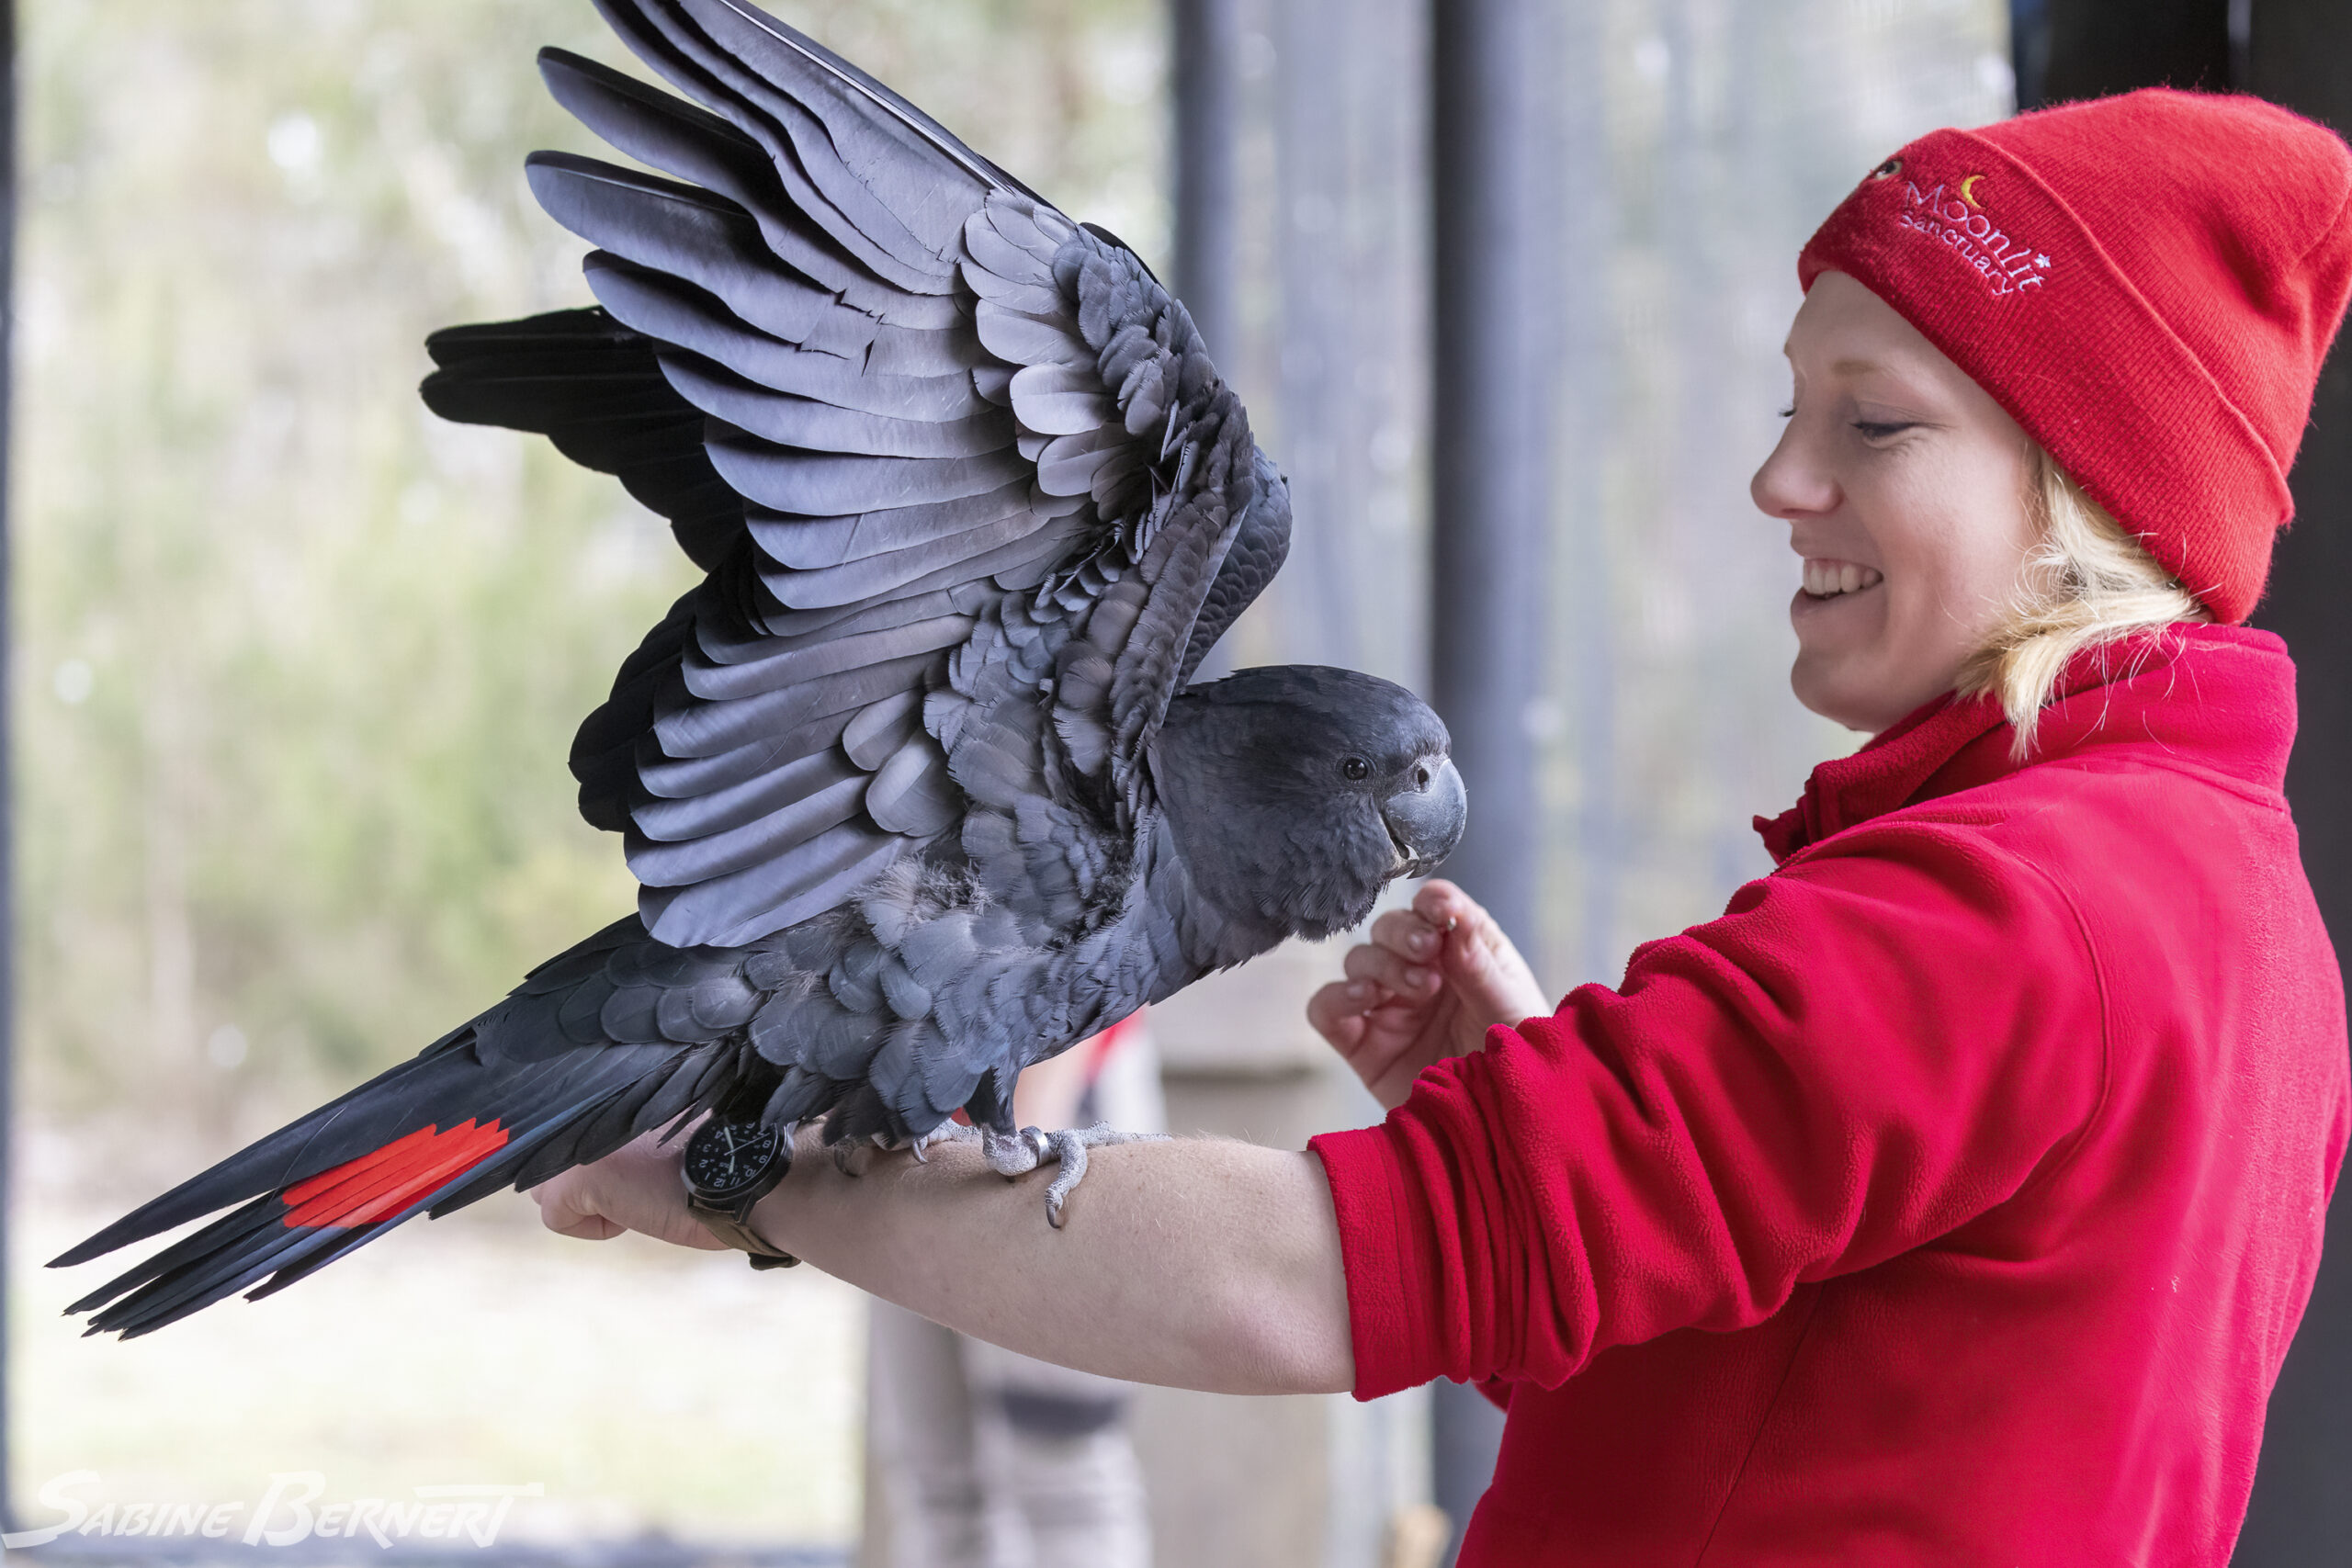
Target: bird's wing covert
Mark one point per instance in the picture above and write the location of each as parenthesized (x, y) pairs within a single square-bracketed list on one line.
[(959, 468)]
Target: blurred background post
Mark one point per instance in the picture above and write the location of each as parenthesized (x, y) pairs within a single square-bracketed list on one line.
[(295, 667)]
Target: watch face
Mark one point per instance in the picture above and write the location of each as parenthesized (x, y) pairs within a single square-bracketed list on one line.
[(725, 1156)]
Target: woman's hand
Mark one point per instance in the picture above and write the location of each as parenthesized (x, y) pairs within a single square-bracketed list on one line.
[(1429, 985), (638, 1188)]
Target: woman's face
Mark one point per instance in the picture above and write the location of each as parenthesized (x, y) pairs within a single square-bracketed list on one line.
[(1904, 486)]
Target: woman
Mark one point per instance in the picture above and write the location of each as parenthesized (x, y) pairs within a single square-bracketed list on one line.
[(1954, 1196)]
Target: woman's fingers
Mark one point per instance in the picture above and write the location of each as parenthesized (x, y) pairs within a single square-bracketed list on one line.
[(1340, 1011), (1495, 982), (1446, 907), (568, 1207), (1336, 1013), (1406, 934), (634, 1189), (1390, 970), (1427, 982)]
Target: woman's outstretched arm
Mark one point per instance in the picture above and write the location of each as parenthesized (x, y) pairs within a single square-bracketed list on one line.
[(1196, 1263)]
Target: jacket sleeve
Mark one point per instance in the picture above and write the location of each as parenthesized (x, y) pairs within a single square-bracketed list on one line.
[(1883, 1040)]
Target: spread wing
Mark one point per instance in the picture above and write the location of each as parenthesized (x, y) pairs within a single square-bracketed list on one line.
[(971, 497)]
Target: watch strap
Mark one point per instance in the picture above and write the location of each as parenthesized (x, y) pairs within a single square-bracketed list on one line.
[(740, 1234)]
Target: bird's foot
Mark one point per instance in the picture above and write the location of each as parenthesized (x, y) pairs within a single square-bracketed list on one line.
[(847, 1152), (1031, 1147), (1017, 1154), (945, 1133)]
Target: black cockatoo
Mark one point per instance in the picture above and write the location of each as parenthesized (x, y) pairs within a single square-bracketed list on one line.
[(914, 783)]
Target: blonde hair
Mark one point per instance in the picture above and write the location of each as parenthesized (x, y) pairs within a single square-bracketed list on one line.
[(2087, 582)]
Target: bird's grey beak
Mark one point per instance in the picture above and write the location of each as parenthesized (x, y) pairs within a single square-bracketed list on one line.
[(1427, 815)]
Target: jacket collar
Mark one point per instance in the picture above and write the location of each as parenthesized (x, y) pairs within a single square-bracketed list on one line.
[(2222, 697)]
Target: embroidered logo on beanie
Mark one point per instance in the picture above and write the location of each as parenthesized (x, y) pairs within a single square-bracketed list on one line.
[(1958, 219)]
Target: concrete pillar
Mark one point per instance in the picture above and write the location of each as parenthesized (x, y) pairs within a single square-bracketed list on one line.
[(1494, 360), (1205, 105)]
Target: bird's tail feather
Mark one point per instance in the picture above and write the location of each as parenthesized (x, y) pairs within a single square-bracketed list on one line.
[(433, 1134), (298, 1231), (283, 1157)]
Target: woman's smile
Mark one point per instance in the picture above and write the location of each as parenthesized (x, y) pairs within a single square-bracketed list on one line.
[(1825, 612), (1830, 578)]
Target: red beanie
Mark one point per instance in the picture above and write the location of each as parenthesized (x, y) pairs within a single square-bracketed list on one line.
[(2147, 283)]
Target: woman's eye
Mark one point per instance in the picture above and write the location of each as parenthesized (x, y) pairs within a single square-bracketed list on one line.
[(1874, 431), (1788, 412), (1355, 768)]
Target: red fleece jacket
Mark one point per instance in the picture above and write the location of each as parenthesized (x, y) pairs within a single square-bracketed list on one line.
[(1952, 1199)]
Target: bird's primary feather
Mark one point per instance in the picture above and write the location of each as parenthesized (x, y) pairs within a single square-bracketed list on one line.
[(913, 781)]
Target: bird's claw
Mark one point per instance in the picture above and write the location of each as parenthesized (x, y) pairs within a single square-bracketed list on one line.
[(945, 1133), (1032, 1147), (847, 1151)]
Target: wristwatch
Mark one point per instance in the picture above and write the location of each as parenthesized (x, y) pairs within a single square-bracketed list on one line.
[(729, 1166)]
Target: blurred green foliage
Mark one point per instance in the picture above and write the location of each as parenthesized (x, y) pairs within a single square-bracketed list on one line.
[(297, 665)]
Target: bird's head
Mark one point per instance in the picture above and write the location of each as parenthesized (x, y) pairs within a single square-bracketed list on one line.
[(1295, 793)]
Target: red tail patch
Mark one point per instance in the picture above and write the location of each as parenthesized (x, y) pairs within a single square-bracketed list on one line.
[(388, 1181)]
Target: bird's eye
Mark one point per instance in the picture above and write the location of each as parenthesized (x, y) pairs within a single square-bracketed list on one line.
[(1355, 768)]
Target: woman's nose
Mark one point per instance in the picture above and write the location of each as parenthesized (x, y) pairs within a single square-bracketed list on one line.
[(1793, 482)]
